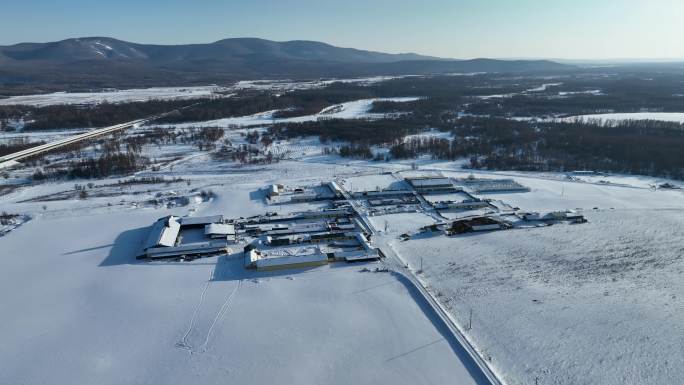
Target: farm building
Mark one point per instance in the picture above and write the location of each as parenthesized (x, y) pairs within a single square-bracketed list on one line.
[(426, 185), (164, 239), (221, 230), (554, 216), (476, 224), (460, 200), (163, 233), (274, 190), (191, 250), (482, 186), (285, 257), (286, 240), (278, 194), (200, 221), (396, 194)]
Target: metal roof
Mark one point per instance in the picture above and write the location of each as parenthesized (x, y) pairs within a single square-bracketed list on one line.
[(163, 233)]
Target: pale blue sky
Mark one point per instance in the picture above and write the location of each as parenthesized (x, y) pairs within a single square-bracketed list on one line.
[(587, 29)]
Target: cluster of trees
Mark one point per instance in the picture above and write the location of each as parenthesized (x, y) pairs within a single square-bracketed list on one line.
[(105, 165), (7, 219), (354, 131), (361, 151), (437, 147), (205, 138), (97, 115), (245, 154)]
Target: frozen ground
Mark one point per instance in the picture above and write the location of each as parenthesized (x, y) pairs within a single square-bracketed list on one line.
[(116, 96)]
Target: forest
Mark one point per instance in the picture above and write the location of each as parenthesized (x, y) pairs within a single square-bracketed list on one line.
[(634, 147), (572, 94)]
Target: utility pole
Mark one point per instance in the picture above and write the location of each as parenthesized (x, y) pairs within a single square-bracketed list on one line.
[(470, 320)]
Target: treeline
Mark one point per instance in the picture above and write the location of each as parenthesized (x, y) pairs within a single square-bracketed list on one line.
[(107, 164), (361, 151), (438, 148), (238, 105), (15, 146), (97, 115), (633, 147)]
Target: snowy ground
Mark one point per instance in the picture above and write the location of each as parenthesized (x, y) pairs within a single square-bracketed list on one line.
[(677, 117), (115, 96), (207, 321), (176, 93), (597, 303), (204, 322), (357, 109), (288, 85)]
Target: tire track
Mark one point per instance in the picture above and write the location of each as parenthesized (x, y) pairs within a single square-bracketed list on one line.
[(183, 343), (227, 304)]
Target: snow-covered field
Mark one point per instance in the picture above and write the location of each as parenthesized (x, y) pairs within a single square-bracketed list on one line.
[(357, 109), (677, 117), (202, 323), (288, 85), (176, 93), (597, 303), (79, 309), (115, 96)]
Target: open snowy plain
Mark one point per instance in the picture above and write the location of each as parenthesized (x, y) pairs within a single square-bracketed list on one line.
[(81, 309)]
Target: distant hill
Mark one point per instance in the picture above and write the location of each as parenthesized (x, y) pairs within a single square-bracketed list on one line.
[(95, 62)]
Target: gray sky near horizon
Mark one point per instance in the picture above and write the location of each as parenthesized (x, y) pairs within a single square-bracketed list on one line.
[(577, 29)]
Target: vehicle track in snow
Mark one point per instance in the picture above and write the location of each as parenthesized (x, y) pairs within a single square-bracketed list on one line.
[(227, 304), (183, 343)]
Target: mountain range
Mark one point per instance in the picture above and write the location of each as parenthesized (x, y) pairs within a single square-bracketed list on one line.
[(95, 62)]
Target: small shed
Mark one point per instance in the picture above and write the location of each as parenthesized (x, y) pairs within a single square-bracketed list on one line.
[(273, 190)]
